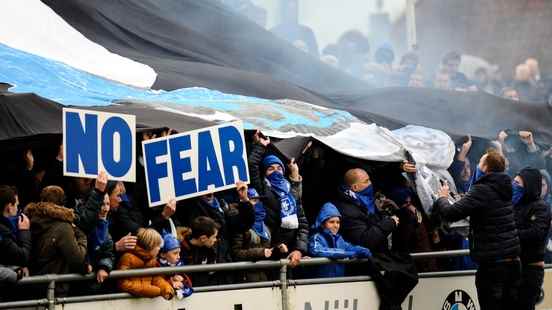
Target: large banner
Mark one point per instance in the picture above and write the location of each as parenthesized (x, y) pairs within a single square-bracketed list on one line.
[(195, 163), (99, 141)]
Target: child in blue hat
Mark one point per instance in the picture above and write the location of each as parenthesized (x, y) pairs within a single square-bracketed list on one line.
[(169, 256)]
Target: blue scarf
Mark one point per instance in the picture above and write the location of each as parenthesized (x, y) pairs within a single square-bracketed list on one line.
[(288, 206), (517, 192), (14, 221), (364, 197), (258, 226), (477, 174)]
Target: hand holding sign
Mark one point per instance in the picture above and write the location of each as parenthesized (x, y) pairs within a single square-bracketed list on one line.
[(261, 139), (169, 209), (101, 182), (241, 187)]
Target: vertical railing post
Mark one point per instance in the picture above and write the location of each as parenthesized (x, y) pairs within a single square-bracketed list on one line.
[(51, 295), (284, 283)]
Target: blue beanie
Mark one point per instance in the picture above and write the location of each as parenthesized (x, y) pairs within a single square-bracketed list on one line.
[(271, 160), (169, 243)]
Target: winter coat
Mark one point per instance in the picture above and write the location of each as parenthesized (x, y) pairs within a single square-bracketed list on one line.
[(146, 286), (100, 247), (15, 247), (58, 246), (359, 227), (87, 210), (492, 225), (532, 218), (232, 219), (295, 239), (325, 244), (194, 255), (248, 246)]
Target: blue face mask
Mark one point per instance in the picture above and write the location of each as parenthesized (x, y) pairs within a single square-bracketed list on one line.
[(278, 182), (366, 196), (517, 192)]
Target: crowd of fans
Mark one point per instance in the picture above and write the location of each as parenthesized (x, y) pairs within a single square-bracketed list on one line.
[(53, 224)]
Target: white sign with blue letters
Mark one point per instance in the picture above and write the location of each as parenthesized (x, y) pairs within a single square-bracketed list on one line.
[(99, 141), (195, 163)]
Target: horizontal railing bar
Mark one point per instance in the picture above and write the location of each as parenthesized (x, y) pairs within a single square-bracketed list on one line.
[(24, 303), (329, 280), (116, 274)]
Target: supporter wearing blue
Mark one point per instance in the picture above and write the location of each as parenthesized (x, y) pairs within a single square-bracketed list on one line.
[(15, 238), (285, 216), (327, 242), (533, 224), (169, 256), (100, 245)]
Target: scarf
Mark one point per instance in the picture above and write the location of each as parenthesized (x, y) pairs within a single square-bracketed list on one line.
[(14, 221), (215, 204), (288, 206), (477, 174), (365, 197), (517, 192), (258, 226)]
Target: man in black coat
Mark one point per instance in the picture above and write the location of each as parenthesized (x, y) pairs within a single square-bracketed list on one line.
[(533, 223), (494, 240)]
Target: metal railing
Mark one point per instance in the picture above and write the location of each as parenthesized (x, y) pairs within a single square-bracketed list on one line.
[(50, 301)]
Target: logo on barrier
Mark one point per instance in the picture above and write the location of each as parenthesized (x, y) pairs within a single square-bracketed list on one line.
[(459, 300)]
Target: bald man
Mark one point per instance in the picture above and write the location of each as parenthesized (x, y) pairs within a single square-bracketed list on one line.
[(362, 223)]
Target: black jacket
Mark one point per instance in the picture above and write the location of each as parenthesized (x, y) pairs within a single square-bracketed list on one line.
[(493, 233), (15, 249), (532, 217), (295, 239), (361, 228)]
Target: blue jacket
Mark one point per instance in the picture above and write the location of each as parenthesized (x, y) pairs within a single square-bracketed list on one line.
[(325, 244)]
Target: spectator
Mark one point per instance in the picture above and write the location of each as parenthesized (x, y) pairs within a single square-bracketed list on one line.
[(170, 257), (534, 70), (200, 248), (86, 201), (450, 64), (460, 169), (522, 84), (327, 242), (510, 93), (15, 239), (100, 247), (59, 247), (521, 150), (533, 224), (144, 256), (330, 55), (128, 219), (495, 242), (231, 219), (254, 244), (354, 52), (363, 223), (291, 30), (285, 216)]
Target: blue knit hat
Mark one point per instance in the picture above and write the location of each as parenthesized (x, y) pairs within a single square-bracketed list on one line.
[(169, 243), (271, 160)]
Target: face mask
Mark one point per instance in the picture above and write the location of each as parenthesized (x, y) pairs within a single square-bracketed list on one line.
[(366, 196), (517, 192), (278, 181), (368, 191)]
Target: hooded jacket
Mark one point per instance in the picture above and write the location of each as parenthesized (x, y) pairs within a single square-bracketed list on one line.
[(532, 217), (325, 244), (148, 286), (59, 247), (492, 224), (295, 239)]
